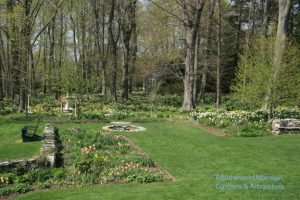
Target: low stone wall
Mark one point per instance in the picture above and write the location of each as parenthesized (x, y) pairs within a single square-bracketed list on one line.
[(49, 147), (281, 126), (48, 154), (17, 165)]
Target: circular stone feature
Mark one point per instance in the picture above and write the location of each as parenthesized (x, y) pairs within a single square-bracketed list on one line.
[(123, 126), (120, 123)]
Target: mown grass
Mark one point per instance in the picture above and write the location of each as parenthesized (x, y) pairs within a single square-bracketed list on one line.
[(11, 145), (195, 158)]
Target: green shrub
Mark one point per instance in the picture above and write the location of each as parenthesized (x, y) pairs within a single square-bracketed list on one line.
[(36, 175), (17, 188), (59, 173), (7, 106), (247, 131), (83, 164)]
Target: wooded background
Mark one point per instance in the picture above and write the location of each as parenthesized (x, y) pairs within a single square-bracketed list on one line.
[(190, 47)]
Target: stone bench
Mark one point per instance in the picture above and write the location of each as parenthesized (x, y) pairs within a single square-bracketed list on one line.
[(281, 126)]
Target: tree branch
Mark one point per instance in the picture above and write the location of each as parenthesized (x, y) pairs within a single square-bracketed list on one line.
[(167, 11), (47, 24)]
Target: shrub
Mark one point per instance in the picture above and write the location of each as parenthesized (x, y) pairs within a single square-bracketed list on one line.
[(59, 173), (83, 164), (7, 106), (17, 188), (248, 131)]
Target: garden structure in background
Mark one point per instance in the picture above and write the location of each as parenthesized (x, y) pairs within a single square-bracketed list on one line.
[(66, 107)]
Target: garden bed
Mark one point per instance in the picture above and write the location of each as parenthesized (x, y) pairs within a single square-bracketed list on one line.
[(248, 124), (94, 157)]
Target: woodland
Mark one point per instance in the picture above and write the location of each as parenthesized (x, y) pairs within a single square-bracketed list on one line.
[(189, 48)]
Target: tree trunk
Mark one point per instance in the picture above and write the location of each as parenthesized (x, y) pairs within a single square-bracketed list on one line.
[(207, 50), (114, 75), (27, 56), (1, 79), (238, 32), (125, 66), (281, 36), (251, 22), (51, 33), (104, 57), (84, 49), (266, 17), (192, 24), (133, 52), (188, 102), (45, 63), (98, 40), (2, 68), (195, 73), (219, 41), (73, 27), (129, 13), (113, 50)]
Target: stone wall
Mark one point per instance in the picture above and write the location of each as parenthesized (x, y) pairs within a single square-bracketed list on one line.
[(48, 154), (281, 126), (17, 165), (49, 147)]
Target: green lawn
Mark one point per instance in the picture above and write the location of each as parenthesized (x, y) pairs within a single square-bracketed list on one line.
[(195, 158), (11, 145)]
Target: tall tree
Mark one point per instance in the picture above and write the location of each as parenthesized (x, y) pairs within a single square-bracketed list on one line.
[(128, 13), (219, 64), (281, 36), (134, 49), (114, 35), (192, 11), (208, 42)]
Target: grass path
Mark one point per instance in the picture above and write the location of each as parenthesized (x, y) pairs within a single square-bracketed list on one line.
[(195, 158)]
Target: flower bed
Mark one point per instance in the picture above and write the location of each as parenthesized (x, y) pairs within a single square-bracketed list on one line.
[(243, 123), (95, 157)]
